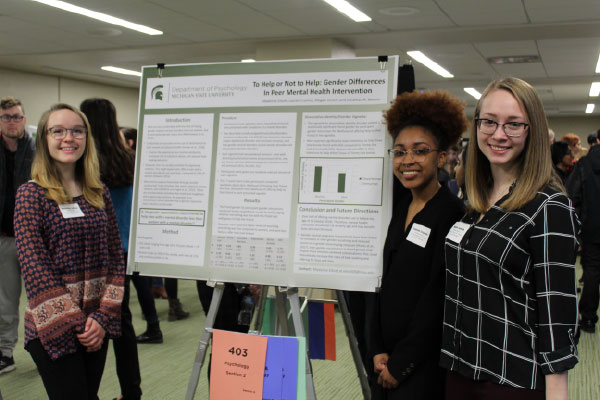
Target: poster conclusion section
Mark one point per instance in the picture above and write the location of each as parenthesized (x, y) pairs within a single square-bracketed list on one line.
[(294, 195)]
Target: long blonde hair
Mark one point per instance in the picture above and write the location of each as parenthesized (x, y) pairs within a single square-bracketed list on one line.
[(87, 171), (534, 164)]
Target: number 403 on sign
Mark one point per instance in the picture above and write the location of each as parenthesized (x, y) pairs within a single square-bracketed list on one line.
[(236, 351)]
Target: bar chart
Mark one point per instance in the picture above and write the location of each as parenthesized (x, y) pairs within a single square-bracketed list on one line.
[(340, 180)]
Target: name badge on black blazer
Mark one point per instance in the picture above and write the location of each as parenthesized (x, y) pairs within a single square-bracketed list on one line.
[(419, 235), (457, 231)]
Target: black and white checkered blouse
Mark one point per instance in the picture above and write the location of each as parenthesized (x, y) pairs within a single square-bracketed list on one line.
[(511, 305)]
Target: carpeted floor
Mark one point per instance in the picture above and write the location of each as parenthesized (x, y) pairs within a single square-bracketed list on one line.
[(166, 367)]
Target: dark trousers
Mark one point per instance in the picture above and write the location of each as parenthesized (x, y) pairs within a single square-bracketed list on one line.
[(72, 377), (228, 309), (143, 287), (171, 287), (590, 260), (361, 306), (126, 353), (459, 387)]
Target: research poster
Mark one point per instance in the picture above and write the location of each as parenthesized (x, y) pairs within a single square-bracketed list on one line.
[(272, 172)]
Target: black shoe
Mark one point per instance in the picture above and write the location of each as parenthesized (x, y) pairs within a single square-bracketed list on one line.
[(150, 336), (587, 326), (7, 364)]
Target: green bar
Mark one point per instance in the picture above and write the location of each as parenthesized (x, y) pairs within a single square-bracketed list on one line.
[(341, 183), (317, 180)]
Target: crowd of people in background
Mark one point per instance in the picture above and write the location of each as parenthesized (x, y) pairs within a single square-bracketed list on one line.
[(478, 296)]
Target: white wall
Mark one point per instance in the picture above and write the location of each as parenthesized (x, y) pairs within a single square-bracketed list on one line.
[(582, 126), (39, 92)]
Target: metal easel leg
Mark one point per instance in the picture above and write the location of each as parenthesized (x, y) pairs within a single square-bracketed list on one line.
[(260, 308), (282, 324), (294, 299), (204, 340)]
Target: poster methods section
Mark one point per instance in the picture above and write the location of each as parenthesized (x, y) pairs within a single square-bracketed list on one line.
[(274, 173)]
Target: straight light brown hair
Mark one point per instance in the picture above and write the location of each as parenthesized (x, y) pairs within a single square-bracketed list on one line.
[(534, 164), (87, 171)]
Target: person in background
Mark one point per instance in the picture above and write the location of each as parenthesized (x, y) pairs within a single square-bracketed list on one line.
[(15, 169), (176, 311), (116, 172), (562, 158), (130, 136), (592, 139), (407, 319), (452, 160), (575, 145), (457, 185), (583, 187), (551, 136), (70, 252), (511, 304)]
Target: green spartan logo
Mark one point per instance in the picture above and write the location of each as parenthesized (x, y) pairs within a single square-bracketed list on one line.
[(157, 92)]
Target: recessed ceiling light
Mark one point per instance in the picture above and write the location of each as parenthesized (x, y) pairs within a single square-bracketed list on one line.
[(248, 60), (514, 59), (400, 11), (598, 66), (348, 9), (432, 65), (595, 89), (473, 92), (590, 108), (123, 71), (100, 16)]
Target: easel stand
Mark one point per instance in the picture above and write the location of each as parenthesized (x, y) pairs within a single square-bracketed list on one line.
[(292, 294)]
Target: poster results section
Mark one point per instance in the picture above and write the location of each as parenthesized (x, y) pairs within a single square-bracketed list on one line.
[(253, 191), (174, 189), (340, 215)]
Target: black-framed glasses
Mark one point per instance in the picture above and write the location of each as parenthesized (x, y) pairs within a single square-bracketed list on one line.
[(14, 117), (58, 132), (417, 154), (511, 129)]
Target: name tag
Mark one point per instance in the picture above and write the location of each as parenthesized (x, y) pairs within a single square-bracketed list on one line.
[(457, 232), (419, 235), (70, 210)]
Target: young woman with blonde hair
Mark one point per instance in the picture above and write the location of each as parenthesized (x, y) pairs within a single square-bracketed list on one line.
[(511, 304), (70, 255)]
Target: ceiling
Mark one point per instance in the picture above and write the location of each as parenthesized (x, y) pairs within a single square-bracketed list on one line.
[(458, 34)]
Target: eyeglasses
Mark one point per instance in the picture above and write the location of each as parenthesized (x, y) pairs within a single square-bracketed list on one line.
[(511, 129), (58, 132), (417, 154), (15, 117)]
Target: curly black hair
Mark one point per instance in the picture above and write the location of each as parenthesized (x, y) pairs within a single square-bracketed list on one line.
[(438, 112)]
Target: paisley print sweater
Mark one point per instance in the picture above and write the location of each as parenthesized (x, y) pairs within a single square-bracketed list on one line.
[(73, 268)]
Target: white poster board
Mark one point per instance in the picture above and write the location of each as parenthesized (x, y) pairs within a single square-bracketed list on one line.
[(272, 173)]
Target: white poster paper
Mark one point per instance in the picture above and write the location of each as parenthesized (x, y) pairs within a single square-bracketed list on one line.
[(253, 187), (174, 188), (341, 163)]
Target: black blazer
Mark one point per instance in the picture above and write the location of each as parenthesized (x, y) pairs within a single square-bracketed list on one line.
[(408, 315)]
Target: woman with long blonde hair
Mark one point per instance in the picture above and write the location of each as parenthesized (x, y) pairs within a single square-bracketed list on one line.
[(70, 255), (511, 304)]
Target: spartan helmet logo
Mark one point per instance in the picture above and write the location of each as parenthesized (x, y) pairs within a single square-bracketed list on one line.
[(157, 92)]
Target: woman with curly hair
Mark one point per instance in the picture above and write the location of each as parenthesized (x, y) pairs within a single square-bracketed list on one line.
[(511, 304), (407, 321)]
